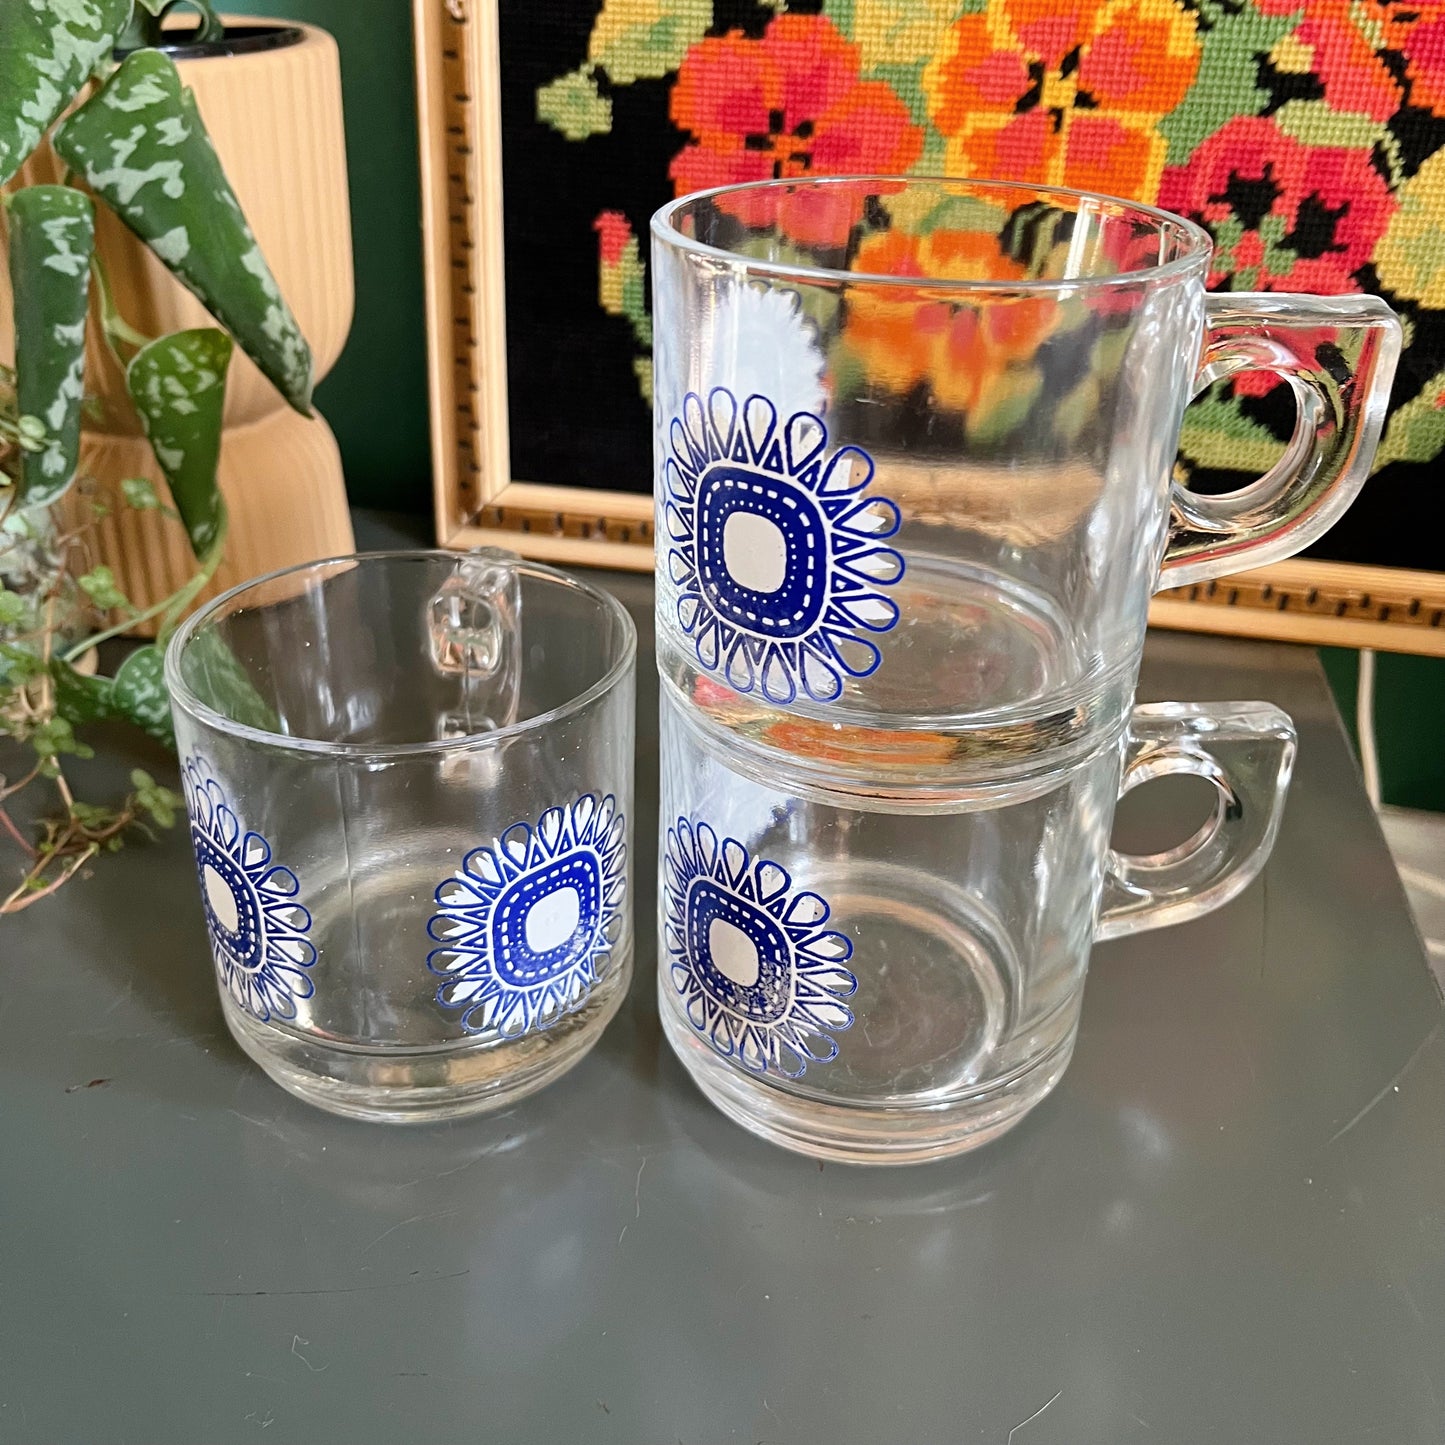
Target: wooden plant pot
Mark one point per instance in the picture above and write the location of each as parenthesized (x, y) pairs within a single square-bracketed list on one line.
[(274, 113)]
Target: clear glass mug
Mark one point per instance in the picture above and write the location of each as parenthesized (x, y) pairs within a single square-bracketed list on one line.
[(892, 981), (409, 781), (915, 441), (915, 444)]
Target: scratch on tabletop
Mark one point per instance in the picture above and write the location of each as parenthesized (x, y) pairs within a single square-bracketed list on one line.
[(1033, 1417), (636, 1198), (269, 1125), (315, 1369), (402, 1224), (1263, 922), (344, 1289), (1391, 1087), (93, 1084), (447, 1173)]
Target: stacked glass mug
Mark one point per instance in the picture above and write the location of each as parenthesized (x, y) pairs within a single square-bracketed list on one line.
[(915, 453)]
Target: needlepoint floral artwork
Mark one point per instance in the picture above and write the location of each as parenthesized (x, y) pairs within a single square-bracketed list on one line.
[(1308, 136)]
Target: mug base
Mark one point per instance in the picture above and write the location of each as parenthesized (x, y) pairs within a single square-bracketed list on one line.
[(424, 1086), (850, 1134)]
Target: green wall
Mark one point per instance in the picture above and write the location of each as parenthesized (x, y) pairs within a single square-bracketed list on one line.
[(376, 397), (1409, 722)]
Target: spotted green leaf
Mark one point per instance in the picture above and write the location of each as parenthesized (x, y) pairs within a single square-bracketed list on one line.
[(52, 233), (178, 385), (81, 697), (47, 50), (138, 692), (141, 145), (217, 676)]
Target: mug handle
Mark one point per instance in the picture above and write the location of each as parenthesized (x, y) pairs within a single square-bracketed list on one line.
[(1246, 749), (1337, 354)]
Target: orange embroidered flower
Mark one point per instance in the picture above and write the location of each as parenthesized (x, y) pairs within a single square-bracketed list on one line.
[(790, 104), (1063, 92), (969, 356)]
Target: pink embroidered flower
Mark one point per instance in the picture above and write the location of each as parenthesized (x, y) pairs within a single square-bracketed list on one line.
[(790, 104), (1285, 216), (1373, 56)]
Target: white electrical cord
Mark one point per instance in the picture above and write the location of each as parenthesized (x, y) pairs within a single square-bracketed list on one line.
[(1365, 725)]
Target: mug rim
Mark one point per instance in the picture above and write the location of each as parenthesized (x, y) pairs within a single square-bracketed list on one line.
[(182, 696), (1194, 256)]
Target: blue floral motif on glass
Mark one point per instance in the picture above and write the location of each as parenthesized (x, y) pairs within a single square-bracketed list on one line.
[(258, 929), (528, 923), (759, 975), (776, 550)]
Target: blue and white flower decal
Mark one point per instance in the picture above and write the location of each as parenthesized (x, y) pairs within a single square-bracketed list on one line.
[(258, 929), (760, 976), (776, 550), (527, 924)]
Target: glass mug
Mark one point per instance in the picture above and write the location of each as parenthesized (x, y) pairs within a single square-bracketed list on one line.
[(881, 983), (409, 779), (915, 444)]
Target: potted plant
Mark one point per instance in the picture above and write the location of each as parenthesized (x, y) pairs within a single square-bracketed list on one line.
[(101, 137), (269, 97)]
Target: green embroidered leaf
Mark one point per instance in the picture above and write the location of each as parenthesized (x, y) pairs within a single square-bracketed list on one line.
[(634, 42), (1416, 431), (139, 693), (572, 106), (1006, 404), (52, 233), (642, 370), (1217, 434), (47, 50), (178, 385), (1407, 256), (1314, 123), (629, 42), (141, 145), (1225, 86)]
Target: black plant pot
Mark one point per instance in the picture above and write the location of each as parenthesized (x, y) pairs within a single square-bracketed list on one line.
[(181, 44)]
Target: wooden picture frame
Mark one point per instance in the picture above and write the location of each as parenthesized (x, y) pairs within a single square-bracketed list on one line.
[(479, 503)]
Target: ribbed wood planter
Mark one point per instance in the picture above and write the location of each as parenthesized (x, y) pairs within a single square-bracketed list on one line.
[(275, 117)]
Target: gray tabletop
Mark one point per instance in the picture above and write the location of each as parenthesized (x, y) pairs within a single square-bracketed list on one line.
[(1228, 1224)]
